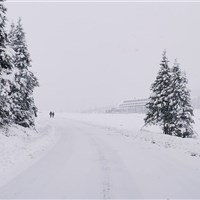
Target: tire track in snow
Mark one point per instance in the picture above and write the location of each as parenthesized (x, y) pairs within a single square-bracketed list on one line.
[(117, 181), (105, 166)]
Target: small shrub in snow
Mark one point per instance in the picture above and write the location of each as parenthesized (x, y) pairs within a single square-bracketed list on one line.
[(193, 154)]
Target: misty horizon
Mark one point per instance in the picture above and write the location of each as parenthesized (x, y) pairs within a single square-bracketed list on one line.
[(89, 55)]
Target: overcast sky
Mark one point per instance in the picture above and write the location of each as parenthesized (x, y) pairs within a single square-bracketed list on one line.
[(87, 55)]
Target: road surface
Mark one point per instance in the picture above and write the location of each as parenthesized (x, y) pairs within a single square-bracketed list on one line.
[(94, 162)]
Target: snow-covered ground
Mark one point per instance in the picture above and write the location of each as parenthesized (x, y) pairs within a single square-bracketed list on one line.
[(21, 147), (132, 125), (98, 156)]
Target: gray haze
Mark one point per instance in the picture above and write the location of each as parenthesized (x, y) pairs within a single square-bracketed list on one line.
[(95, 54)]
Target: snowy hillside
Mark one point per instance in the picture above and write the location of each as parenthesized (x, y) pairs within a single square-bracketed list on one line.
[(132, 125), (22, 147)]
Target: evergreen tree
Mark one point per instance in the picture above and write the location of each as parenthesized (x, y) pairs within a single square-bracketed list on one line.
[(159, 107), (22, 92), (6, 74), (170, 104), (182, 110)]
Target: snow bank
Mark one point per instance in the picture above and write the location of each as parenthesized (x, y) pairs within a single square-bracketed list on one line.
[(21, 147), (132, 125)]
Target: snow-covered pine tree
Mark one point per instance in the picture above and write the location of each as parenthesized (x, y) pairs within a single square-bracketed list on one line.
[(159, 110), (6, 74), (22, 93), (182, 110)]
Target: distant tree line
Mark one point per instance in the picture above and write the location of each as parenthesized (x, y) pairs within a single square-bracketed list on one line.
[(17, 82), (169, 104)]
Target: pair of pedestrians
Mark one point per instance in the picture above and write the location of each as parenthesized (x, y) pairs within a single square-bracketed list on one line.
[(51, 114)]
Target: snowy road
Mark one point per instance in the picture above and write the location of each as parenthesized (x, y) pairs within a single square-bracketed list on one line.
[(93, 162)]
